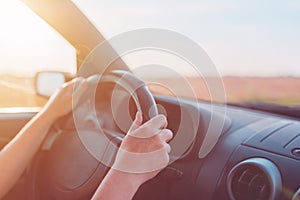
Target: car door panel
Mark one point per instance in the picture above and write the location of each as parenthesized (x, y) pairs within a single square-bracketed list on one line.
[(11, 123)]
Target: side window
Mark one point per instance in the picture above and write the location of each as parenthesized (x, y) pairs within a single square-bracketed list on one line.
[(28, 45)]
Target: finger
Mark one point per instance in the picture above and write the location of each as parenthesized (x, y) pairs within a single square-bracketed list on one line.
[(167, 147), (72, 83), (157, 122), (80, 87), (150, 128), (165, 125), (79, 91), (137, 122), (67, 88), (78, 79), (94, 79), (166, 135)]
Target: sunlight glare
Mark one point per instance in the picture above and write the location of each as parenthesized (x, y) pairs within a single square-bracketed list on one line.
[(28, 44)]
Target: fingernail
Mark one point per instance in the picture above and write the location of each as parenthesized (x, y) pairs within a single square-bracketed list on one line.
[(137, 115)]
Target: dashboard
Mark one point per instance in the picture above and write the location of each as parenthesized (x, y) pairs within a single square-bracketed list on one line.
[(257, 156), (218, 152)]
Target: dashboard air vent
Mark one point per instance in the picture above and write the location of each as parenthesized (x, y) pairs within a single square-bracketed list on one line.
[(250, 183), (254, 179)]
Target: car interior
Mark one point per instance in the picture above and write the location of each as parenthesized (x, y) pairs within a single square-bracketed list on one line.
[(221, 151)]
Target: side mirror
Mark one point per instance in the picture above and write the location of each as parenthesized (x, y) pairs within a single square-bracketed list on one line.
[(46, 83)]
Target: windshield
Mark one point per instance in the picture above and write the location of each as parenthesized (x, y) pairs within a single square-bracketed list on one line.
[(28, 45), (254, 45)]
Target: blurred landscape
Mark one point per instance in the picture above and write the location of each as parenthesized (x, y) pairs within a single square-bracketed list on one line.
[(20, 92), (276, 90)]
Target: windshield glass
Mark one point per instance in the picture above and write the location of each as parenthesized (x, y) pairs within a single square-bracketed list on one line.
[(254, 45), (28, 45)]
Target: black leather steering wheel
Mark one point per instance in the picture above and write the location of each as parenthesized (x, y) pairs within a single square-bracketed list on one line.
[(67, 170), (135, 87)]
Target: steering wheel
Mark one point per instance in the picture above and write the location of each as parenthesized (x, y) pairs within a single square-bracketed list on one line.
[(143, 98), (78, 155)]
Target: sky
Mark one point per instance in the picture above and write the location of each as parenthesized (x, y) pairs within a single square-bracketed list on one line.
[(244, 38), (28, 44), (249, 37)]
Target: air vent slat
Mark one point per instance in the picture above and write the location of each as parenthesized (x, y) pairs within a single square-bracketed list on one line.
[(255, 178), (248, 183)]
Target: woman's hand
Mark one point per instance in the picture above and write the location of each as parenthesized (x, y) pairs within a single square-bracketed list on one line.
[(15, 156), (143, 153), (64, 99)]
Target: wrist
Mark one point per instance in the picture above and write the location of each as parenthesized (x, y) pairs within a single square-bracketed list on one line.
[(129, 179), (126, 185), (46, 115)]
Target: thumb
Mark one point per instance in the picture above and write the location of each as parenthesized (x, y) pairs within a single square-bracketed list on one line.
[(78, 91), (137, 122)]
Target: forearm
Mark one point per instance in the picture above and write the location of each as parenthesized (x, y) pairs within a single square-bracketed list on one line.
[(117, 185), (15, 156)]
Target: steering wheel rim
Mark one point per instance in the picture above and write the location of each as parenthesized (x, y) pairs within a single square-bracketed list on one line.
[(58, 179), (135, 87)]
